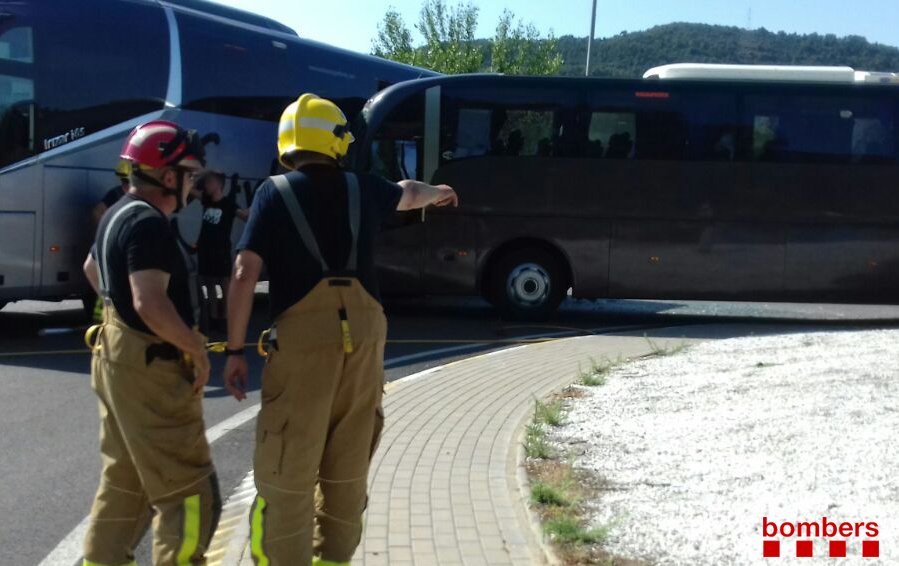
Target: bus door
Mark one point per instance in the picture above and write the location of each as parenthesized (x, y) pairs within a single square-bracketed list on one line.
[(687, 224), (834, 160), (397, 153), (450, 259)]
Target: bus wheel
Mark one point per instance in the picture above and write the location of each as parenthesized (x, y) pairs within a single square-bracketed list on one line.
[(528, 284)]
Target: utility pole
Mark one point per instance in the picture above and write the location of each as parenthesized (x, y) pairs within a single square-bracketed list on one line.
[(590, 39)]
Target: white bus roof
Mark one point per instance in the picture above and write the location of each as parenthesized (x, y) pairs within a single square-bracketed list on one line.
[(709, 71)]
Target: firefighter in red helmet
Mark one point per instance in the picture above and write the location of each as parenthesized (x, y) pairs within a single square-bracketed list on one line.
[(149, 365)]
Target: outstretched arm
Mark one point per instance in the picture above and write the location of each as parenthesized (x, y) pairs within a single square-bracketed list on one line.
[(419, 195)]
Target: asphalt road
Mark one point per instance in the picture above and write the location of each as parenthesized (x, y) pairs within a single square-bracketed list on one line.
[(48, 416)]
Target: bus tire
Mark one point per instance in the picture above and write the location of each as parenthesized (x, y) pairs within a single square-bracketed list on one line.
[(527, 284)]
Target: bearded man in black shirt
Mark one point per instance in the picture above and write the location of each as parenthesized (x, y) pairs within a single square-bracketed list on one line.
[(149, 366)]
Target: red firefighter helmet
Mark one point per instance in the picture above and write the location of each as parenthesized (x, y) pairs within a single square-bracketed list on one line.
[(160, 143)]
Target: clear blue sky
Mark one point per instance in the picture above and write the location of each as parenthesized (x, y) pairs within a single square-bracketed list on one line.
[(352, 24)]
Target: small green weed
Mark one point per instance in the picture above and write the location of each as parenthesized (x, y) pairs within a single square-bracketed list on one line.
[(535, 443), (550, 412), (597, 374), (545, 494), (568, 529), (663, 351)]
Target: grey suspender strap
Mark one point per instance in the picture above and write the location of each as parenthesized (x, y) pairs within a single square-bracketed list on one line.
[(103, 244), (302, 223), (355, 215), (299, 219), (193, 279)]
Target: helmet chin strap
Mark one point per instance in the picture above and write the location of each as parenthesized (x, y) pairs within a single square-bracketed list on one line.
[(178, 192)]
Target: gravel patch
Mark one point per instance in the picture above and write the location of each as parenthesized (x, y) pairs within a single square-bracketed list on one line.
[(700, 446)]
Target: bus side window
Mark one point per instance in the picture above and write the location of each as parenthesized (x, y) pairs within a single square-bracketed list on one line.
[(525, 133), (396, 151), (612, 134), (712, 126), (16, 43), (16, 87), (472, 134), (822, 129), (99, 71)]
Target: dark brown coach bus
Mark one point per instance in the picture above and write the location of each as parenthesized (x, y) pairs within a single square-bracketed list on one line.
[(697, 182)]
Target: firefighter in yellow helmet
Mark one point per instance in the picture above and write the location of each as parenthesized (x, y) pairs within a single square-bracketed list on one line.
[(314, 229)]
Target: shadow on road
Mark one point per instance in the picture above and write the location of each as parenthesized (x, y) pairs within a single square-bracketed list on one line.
[(425, 330)]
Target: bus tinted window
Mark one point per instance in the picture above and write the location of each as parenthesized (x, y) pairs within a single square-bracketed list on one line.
[(233, 70), (238, 71), (16, 85), (524, 133), (396, 151), (712, 126), (16, 44), (611, 135), (819, 129), (661, 126), (94, 70), (511, 124)]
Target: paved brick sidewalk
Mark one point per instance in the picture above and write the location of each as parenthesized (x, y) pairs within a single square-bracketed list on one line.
[(445, 483)]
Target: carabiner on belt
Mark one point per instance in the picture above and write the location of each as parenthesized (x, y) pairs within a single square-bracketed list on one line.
[(268, 336), (92, 337)]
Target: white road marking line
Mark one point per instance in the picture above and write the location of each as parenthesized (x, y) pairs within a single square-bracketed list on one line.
[(69, 550), (233, 531)]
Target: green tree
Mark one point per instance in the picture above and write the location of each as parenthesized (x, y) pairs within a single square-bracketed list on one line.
[(394, 40), (449, 44), (449, 37), (518, 49)]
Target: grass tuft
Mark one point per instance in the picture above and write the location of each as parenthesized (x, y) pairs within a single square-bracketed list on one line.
[(568, 529), (545, 494), (551, 413), (598, 372), (535, 443), (664, 351)]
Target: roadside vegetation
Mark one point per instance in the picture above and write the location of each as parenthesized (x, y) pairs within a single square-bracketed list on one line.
[(560, 491)]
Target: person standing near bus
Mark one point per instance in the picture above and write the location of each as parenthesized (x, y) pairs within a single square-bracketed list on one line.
[(214, 243), (149, 366), (314, 229), (113, 195)]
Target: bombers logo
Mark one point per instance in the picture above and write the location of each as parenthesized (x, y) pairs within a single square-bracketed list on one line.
[(837, 535)]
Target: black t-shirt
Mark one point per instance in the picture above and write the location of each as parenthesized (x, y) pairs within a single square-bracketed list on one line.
[(112, 196), (218, 219), (139, 244), (321, 190)]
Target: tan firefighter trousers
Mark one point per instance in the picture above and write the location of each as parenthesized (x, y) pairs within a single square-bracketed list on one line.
[(155, 457), (318, 427)]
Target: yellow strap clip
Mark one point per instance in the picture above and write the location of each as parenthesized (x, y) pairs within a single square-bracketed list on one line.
[(216, 347), (260, 345), (92, 337)]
